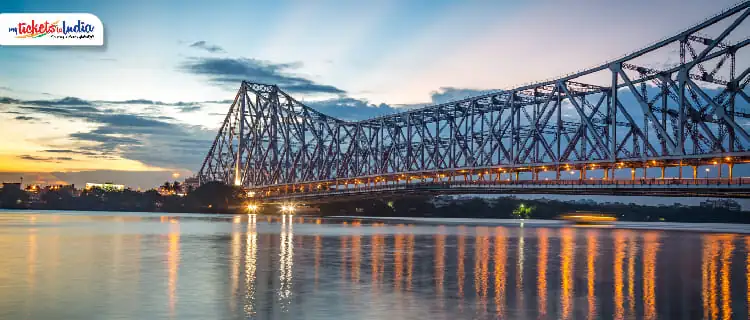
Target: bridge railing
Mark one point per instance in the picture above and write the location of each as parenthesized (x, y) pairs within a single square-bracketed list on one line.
[(599, 182), (667, 183)]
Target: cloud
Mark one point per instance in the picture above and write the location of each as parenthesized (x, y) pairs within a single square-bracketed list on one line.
[(138, 101), (69, 151), (73, 107), (208, 47), (233, 71), (351, 109), (347, 108), (448, 94), (153, 140), (67, 101), (190, 108), (6, 100), (45, 159)]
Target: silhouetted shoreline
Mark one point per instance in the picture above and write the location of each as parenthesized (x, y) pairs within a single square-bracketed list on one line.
[(213, 198)]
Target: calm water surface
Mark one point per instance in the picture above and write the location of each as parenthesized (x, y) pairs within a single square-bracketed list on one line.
[(64, 265)]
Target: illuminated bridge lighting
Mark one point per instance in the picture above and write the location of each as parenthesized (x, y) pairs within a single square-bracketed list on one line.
[(311, 148)]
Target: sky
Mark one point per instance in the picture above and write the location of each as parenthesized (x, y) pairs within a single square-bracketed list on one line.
[(146, 106)]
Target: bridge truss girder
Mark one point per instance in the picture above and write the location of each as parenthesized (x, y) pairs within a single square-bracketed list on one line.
[(686, 111)]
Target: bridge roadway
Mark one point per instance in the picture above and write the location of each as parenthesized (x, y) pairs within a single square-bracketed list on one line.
[(616, 117), (668, 187)]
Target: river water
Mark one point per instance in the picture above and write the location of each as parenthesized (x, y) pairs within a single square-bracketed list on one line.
[(82, 265)]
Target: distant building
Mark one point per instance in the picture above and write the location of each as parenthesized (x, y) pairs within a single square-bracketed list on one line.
[(12, 185), (34, 192), (107, 186), (191, 183), (69, 187), (728, 204), (64, 187)]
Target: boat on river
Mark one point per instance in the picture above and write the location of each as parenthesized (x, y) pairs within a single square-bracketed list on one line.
[(588, 217)]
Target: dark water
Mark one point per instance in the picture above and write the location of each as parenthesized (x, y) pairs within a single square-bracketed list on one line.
[(144, 266)]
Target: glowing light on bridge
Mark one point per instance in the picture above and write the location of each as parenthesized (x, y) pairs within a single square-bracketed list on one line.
[(464, 137)]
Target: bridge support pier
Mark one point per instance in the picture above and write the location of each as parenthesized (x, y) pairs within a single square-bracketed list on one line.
[(730, 167), (695, 172), (583, 173), (517, 175), (719, 165), (680, 174), (606, 174), (663, 170), (632, 174)]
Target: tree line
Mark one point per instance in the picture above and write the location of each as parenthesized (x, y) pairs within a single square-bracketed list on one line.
[(511, 207), (208, 198), (217, 197)]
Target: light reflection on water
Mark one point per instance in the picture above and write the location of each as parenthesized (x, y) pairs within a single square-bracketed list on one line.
[(95, 266)]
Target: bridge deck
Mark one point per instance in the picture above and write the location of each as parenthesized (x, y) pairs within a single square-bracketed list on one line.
[(735, 188)]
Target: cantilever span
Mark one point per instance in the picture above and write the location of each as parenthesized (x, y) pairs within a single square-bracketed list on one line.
[(681, 102)]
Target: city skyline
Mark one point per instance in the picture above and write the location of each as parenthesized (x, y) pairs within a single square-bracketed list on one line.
[(148, 104)]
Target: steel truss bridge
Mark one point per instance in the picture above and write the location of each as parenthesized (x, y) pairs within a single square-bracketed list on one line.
[(676, 105)]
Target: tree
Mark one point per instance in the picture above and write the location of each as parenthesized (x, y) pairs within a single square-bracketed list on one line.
[(216, 196), (166, 187), (177, 187), (13, 198), (523, 211), (61, 199)]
